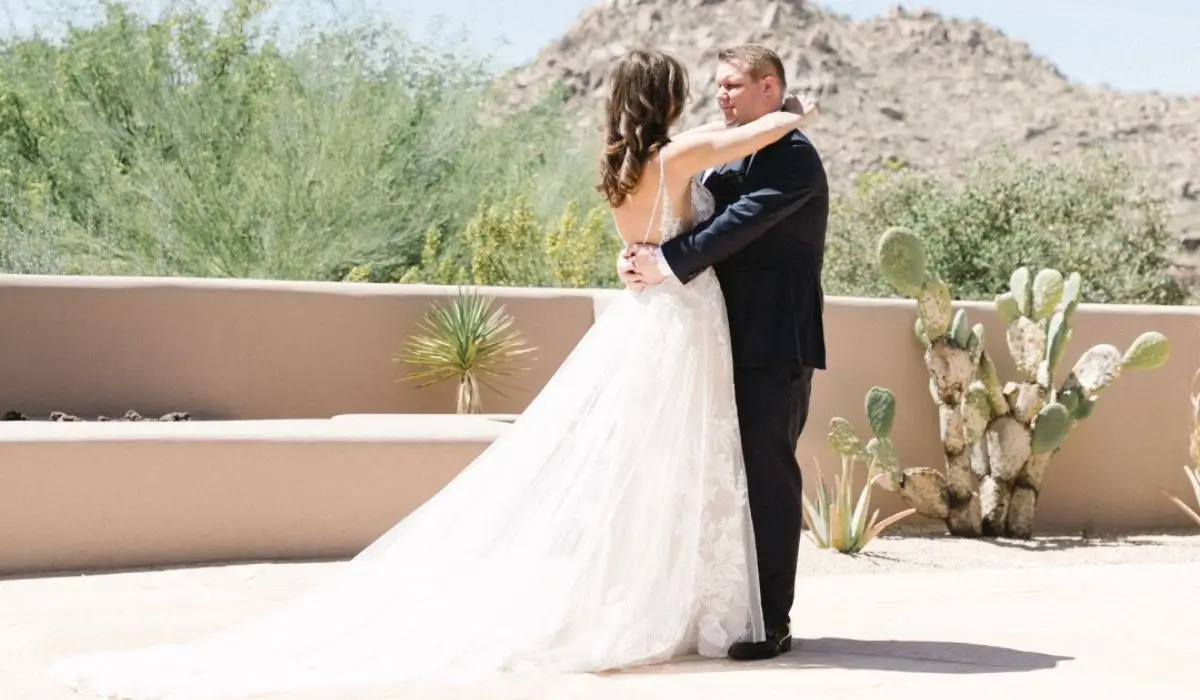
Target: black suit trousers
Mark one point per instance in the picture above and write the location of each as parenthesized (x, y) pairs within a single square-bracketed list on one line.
[(772, 404)]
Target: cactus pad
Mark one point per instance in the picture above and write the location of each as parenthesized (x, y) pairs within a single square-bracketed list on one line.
[(1051, 428), (991, 381), (1072, 293), (1006, 307), (1084, 409), (975, 344), (843, 440), (933, 308), (925, 490), (919, 330), (902, 260), (1021, 287), (976, 412), (1047, 292), (884, 456), (1151, 350), (960, 331), (1097, 368), (1059, 336), (1027, 345), (881, 411), (1070, 398), (1008, 446)]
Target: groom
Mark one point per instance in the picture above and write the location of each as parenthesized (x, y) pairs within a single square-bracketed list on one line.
[(766, 243)]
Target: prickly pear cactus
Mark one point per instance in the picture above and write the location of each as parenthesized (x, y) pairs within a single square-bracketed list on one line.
[(923, 489), (998, 438)]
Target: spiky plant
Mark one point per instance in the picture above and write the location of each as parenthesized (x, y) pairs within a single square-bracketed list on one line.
[(465, 340), (838, 520), (1192, 472), (998, 438)]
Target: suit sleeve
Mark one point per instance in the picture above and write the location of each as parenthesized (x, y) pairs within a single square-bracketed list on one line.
[(782, 178)]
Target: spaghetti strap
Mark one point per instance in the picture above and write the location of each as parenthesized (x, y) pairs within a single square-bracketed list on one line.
[(658, 197)]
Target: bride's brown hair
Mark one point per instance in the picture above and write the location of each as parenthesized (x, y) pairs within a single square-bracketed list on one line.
[(647, 91)]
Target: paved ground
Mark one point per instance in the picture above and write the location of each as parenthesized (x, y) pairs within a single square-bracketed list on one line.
[(1099, 631)]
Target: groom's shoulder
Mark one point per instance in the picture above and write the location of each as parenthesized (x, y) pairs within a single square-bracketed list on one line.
[(799, 141), (794, 147)]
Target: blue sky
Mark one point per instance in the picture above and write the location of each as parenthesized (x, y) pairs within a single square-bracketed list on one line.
[(1143, 45)]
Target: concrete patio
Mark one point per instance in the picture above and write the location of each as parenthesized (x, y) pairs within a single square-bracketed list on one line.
[(1104, 631)]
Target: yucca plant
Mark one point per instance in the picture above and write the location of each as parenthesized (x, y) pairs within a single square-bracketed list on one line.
[(840, 521), (465, 340), (1192, 472)]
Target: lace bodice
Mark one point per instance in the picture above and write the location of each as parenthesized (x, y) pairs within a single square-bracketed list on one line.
[(703, 206)]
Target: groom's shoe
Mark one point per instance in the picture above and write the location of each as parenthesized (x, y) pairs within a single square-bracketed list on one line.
[(778, 641)]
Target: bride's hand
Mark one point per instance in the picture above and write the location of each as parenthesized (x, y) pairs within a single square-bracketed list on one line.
[(800, 104)]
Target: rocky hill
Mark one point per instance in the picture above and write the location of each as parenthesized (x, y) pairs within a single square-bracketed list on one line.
[(913, 87)]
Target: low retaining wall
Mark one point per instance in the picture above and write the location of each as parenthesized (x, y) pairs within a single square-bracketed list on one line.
[(120, 495), (76, 496)]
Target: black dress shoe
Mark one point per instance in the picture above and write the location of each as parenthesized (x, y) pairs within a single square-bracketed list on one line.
[(778, 641)]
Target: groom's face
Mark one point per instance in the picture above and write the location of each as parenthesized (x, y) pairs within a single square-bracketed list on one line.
[(744, 98)]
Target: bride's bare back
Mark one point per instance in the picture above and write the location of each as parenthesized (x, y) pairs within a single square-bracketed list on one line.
[(639, 219)]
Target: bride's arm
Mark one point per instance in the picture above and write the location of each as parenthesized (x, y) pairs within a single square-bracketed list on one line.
[(701, 148), (718, 125)]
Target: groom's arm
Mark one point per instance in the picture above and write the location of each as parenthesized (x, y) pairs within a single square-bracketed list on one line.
[(782, 178)]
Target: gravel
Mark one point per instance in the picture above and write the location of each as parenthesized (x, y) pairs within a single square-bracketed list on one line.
[(916, 550)]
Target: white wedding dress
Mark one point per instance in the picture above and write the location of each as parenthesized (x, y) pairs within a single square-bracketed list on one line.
[(608, 528)]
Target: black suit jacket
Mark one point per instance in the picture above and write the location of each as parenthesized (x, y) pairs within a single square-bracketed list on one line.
[(766, 242)]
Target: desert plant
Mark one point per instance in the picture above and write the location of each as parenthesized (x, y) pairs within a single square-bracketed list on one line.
[(999, 439), (1191, 472), (465, 340), (1193, 476), (833, 522), (1090, 213), (581, 252), (251, 141), (504, 244)]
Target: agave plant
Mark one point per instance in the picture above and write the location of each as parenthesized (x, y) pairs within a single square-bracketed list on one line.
[(833, 522), (839, 521), (465, 340), (1192, 472)]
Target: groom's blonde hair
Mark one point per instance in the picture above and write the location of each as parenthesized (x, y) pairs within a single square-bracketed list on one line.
[(755, 60)]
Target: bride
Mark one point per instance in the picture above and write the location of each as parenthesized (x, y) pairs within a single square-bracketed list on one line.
[(607, 528)]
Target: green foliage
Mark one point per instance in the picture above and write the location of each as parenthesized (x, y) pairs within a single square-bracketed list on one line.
[(182, 146), (467, 341), (1010, 212), (838, 520), (504, 244), (582, 253)]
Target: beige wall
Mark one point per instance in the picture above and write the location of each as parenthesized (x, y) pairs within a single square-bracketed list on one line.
[(242, 349), (71, 498)]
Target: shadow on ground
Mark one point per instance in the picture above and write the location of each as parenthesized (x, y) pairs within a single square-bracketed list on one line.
[(903, 656)]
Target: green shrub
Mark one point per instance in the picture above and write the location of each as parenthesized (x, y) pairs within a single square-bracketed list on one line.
[(176, 145), (1089, 216), (504, 244)]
